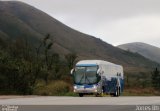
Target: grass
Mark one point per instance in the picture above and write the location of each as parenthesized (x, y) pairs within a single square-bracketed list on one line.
[(141, 92), (70, 94), (62, 88), (56, 88)]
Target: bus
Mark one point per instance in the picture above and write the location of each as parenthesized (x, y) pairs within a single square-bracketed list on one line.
[(97, 77)]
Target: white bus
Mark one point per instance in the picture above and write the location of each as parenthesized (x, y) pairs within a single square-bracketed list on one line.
[(97, 77)]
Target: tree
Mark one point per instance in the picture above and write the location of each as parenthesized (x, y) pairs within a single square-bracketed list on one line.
[(22, 67), (71, 59), (156, 79), (49, 58)]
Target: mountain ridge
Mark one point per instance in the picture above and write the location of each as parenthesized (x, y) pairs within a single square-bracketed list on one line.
[(20, 20), (149, 51)]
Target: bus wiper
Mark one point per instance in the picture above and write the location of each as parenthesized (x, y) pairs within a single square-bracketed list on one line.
[(81, 78), (88, 80)]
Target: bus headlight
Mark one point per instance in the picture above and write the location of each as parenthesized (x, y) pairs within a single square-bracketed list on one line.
[(75, 87), (94, 86)]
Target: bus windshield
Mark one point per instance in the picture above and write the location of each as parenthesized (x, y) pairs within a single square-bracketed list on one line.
[(85, 75)]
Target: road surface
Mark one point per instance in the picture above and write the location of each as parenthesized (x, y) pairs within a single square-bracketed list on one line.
[(51, 103), (54, 100)]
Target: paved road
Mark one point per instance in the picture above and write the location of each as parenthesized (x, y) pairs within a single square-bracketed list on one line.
[(50, 103), (53, 100)]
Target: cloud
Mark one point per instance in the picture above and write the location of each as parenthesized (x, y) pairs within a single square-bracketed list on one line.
[(139, 28), (136, 28)]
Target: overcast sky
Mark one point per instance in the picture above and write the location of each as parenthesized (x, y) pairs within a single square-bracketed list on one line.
[(114, 21)]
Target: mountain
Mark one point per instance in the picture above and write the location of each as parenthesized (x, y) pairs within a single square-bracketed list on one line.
[(146, 50), (20, 20)]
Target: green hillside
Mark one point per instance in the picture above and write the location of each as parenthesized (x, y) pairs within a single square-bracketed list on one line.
[(31, 64), (146, 50), (19, 20)]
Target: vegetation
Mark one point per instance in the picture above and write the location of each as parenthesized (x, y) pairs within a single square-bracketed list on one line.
[(148, 51), (54, 88), (19, 20), (136, 91), (138, 80), (156, 79), (28, 70), (30, 66), (142, 84)]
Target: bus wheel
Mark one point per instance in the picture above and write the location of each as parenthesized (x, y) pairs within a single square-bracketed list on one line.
[(80, 94), (116, 94), (96, 94), (99, 95), (102, 94), (119, 91)]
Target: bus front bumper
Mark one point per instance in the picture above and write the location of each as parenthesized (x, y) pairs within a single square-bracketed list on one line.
[(85, 90)]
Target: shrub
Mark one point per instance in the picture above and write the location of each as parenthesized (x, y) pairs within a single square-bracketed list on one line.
[(55, 88)]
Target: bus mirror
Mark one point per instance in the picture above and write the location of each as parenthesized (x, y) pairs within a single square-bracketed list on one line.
[(118, 74), (72, 70), (98, 71)]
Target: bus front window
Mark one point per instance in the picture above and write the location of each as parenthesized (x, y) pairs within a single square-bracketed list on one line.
[(85, 75)]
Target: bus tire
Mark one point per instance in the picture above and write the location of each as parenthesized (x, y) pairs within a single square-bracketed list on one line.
[(81, 94), (102, 93), (116, 94), (119, 91)]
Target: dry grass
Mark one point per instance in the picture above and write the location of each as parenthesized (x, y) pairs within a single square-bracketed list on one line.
[(53, 88), (141, 92)]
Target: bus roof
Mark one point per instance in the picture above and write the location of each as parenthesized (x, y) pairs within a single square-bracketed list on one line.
[(93, 62)]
